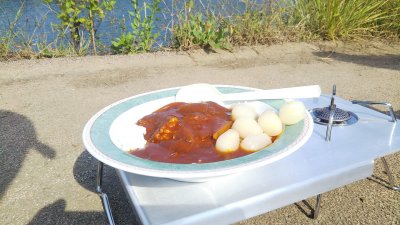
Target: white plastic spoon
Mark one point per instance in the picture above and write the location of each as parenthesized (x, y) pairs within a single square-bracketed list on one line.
[(206, 92)]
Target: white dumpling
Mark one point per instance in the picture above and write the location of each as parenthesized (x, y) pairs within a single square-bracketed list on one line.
[(246, 127), (243, 111), (228, 141), (292, 112), (270, 123), (255, 142)]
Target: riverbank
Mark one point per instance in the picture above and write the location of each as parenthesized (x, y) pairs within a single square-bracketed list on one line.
[(48, 178), (55, 28)]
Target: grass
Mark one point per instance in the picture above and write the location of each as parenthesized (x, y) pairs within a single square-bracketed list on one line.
[(272, 22), (225, 24), (142, 36), (261, 27), (8, 36), (17, 43), (200, 31), (341, 19)]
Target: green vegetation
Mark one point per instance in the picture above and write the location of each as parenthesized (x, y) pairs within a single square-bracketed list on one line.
[(198, 30), (392, 22), (79, 16), (336, 19), (262, 26), (16, 43), (143, 36), (186, 25), (8, 36)]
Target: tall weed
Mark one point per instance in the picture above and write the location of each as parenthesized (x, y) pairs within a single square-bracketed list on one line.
[(190, 24), (8, 37), (261, 24), (142, 36), (78, 19), (335, 19), (195, 29), (391, 24)]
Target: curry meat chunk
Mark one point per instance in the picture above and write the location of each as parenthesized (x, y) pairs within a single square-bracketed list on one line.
[(166, 131)]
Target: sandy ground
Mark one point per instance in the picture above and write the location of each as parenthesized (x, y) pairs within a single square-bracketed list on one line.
[(48, 178)]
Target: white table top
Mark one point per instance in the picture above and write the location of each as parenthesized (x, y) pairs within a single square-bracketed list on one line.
[(317, 167)]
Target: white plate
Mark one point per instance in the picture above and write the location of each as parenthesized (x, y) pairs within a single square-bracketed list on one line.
[(107, 136)]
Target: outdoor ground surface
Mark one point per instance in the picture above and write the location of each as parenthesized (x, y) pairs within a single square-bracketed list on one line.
[(47, 177)]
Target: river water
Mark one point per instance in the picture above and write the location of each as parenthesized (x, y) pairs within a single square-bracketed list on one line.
[(36, 21)]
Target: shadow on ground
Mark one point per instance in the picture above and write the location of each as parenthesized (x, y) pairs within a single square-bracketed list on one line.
[(85, 170), (305, 208), (55, 214), (388, 61), (17, 138), (380, 180)]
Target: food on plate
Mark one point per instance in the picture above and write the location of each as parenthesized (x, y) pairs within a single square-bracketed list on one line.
[(292, 112), (270, 123), (221, 130), (208, 132), (255, 142), (246, 127), (185, 133), (243, 111), (228, 141)]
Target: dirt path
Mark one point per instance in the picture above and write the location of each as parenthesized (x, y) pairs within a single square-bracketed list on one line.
[(48, 178)]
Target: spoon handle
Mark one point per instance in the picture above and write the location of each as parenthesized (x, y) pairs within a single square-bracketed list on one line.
[(312, 91)]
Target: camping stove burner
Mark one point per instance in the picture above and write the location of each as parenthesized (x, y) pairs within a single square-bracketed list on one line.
[(339, 115), (333, 116), (340, 118)]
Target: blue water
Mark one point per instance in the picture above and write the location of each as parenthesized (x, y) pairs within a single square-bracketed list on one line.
[(37, 20)]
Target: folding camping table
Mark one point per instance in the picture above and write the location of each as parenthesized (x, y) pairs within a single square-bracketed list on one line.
[(317, 167)]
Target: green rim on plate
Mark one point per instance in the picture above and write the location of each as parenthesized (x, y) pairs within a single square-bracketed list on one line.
[(101, 146)]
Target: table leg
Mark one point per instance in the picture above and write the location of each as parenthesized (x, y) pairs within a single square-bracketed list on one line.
[(317, 207), (103, 196), (390, 175)]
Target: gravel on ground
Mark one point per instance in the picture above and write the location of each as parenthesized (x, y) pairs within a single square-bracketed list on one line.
[(47, 177)]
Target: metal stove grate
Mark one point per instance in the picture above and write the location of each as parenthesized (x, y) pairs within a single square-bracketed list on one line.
[(324, 113), (333, 116), (340, 117)]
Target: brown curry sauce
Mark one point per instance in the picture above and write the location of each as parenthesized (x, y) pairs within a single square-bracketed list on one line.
[(186, 133)]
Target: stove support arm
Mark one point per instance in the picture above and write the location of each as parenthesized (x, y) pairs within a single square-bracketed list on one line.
[(387, 104), (102, 195), (390, 175), (317, 207)]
